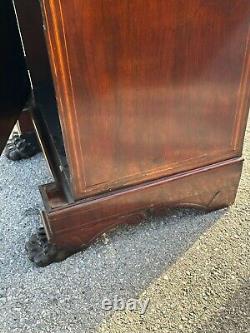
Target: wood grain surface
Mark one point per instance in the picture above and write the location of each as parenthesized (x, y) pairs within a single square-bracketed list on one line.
[(148, 88)]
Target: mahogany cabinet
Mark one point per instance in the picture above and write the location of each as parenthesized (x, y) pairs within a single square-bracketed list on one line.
[(139, 105)]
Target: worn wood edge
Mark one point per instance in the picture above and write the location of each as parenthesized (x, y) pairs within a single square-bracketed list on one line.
[(62, 83)]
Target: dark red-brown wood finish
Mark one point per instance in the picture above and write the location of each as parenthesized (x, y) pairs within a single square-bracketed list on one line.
[(75, 226), (148, 88), (152, 98)]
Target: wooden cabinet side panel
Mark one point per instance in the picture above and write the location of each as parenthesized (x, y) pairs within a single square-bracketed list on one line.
[(148, 88)]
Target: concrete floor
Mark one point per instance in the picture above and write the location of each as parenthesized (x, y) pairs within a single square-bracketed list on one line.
[(193, 267)]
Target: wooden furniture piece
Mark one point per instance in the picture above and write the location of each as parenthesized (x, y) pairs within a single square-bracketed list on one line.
[(14, 82), (23, 142), (25, 124), (139, 105), (15, 89)]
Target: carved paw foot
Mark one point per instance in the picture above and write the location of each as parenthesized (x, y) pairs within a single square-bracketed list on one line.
[(43, 253), (22, 146)]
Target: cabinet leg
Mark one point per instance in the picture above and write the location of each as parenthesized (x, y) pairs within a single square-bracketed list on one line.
[(22, 146), (25, 121), (42, 252)]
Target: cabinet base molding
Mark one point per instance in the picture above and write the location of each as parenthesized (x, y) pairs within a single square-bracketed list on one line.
[(69, 228)]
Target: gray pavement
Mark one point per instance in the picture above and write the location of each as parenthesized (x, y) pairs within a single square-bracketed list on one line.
[(151, 259)]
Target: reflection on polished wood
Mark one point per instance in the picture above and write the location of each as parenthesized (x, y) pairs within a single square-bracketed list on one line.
[(148, 87), (140, 105)]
